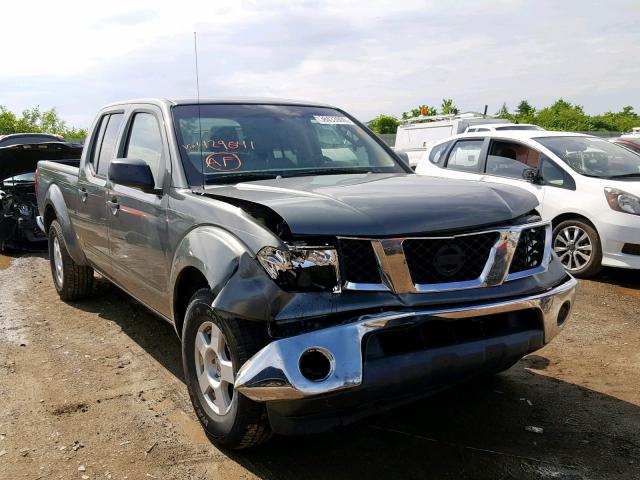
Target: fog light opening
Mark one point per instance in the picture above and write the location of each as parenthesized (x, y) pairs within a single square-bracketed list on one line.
[(316, 364), (563, 313)]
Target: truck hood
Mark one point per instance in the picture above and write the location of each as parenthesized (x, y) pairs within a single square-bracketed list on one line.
[(380, 205), (24, 158)]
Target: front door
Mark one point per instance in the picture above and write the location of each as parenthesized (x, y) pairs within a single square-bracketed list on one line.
[(137, 220)]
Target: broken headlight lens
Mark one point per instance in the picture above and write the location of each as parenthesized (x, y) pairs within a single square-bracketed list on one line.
[(622, 201), (302, 269)]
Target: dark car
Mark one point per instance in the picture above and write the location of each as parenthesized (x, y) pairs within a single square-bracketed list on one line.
[(311, 276), (19, 155)]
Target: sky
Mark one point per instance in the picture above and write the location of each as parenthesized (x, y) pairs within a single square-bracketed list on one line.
[(368, 57)]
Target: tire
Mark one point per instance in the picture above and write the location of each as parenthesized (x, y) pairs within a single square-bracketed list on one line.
[(72, 281), (228, 418), (573, 240)]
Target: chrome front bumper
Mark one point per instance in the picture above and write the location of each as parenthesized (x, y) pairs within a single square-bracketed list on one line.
[(274, 373)]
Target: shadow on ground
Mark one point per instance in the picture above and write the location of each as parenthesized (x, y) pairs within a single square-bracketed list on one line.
[(621, 277), (473, 431)]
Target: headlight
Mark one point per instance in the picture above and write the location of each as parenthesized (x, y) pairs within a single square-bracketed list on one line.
[(302, 269), (622, 201)]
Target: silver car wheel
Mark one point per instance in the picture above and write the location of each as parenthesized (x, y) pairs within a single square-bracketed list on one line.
[(573, 247), (214, 368), (57, 262)]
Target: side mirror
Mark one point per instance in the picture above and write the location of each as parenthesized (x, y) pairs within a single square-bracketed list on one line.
[(530, 175), (403, 157), (132, 172)]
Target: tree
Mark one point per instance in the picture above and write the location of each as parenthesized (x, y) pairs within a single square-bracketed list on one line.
[(35, 121), (504, 110), (384, 124), (416, 112), (448, 107), (565, 116), (525, 110)]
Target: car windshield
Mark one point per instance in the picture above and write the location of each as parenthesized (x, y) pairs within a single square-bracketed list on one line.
[(225, 143), (594, 157)]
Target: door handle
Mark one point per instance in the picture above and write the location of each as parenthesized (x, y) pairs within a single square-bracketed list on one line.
[(83, 194), (114, 205)]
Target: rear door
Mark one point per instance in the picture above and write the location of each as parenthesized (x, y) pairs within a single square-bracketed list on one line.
[(91, 214), (138, 220), (465, 159)]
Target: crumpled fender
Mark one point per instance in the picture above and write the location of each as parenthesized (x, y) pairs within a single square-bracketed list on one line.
[(55, 199), (215, 252)]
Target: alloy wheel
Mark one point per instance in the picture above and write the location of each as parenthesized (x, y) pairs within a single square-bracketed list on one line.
[(573, 247), (214, 368), (57, 262)]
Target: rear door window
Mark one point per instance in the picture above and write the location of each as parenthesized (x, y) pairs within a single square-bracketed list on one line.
[(465, 156), (109, 141), (95, 148)]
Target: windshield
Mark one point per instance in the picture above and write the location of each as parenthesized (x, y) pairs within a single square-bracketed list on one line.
[(230, 142), (594, 157)]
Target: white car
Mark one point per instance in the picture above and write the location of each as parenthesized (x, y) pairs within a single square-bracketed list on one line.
[(587, 186)]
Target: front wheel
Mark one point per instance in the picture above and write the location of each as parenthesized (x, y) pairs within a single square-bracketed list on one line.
[(577, 245), (212, 352)]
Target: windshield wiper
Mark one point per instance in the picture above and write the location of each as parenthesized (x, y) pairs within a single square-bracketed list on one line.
[(328, 171), (240, 177), (626, 175)]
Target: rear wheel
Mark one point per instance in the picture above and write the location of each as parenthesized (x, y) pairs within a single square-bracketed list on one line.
[(212, 352), (577, 245), (72, 281)]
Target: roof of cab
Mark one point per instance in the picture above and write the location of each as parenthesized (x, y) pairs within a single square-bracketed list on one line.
[(220, 101)]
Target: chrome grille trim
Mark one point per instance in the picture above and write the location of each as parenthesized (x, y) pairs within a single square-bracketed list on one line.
[(396, 277)]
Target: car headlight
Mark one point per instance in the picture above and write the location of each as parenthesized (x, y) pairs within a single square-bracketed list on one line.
[(302, 269), (622, 201)]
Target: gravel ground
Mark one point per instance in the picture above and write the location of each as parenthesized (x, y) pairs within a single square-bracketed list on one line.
[(94, 390)]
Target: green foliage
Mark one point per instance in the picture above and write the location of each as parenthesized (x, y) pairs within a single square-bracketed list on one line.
[(565, 116), (35, 121), (416, 112), (384, 124), (448, 107)]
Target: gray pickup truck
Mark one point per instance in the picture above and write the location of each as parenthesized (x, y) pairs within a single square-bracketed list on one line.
[(311, 276)]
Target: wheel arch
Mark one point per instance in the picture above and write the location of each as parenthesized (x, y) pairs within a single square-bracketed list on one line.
[(207, 256), (188, 282), (563, 217), (56, 209)]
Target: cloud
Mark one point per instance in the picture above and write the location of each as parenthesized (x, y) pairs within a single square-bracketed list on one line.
[(368, 57)]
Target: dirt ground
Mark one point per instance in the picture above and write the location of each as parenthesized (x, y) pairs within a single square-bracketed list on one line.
[(94, 390)]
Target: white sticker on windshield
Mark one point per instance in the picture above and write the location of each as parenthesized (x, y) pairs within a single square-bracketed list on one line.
[(329, 120)]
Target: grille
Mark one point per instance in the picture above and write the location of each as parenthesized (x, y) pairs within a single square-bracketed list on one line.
[(358, 262), (530, 250), (444, 260)]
